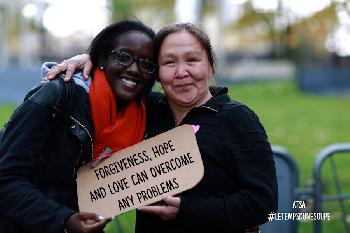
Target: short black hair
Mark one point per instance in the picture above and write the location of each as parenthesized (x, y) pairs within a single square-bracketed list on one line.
[(103, 43), (195, 30)]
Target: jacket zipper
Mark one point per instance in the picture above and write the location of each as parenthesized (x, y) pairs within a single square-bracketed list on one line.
[(191, 110), (207, 107), (81, 146), (173, 114)]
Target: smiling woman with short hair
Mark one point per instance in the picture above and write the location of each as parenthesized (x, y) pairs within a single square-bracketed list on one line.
[(108, 113)]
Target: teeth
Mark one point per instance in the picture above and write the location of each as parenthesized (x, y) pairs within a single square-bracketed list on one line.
[(128, 82)]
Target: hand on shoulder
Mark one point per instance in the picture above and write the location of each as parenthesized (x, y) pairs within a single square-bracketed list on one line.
[(81, 61)]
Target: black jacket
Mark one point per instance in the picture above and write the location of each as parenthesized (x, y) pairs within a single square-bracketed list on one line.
[(40, 198), (239, 187)]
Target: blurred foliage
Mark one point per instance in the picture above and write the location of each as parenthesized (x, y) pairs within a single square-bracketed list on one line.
[(248, 22), (273, 34), (16, 24), (305, 40), (302, 40), (122, 9), (142, 9)]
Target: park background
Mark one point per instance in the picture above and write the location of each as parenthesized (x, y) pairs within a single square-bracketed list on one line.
[(289, 60)]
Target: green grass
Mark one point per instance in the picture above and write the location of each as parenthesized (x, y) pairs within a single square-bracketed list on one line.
[(302, 123), (5, 113)]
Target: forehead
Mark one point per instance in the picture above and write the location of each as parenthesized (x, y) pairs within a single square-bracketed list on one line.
[(134, 41), (181, 40)]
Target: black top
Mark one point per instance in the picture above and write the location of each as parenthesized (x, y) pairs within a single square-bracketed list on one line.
[(239, 187), (40, 198)]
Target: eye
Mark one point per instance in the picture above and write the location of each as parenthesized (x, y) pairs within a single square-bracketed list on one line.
[(147, 66), (193, 59), (122, 57), (168, 62)]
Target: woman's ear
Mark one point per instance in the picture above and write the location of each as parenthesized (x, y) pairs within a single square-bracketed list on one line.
[(101, 65)]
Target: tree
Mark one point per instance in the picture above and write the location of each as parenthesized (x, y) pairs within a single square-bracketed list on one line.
[(294, 39), (144, 10)]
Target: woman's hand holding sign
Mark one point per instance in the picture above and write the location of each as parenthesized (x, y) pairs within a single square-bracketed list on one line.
[(86, 222), (168, 211)]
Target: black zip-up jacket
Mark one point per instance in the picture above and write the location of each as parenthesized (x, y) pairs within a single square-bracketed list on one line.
[(40, 199), (239, 187)]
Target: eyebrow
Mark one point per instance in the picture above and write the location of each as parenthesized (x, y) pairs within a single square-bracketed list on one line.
[(127, 50), (171, 54)]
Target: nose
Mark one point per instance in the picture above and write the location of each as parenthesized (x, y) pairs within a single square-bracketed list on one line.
[(133, 68), (181, 70)]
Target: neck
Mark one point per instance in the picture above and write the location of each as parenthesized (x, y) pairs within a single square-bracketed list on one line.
[(120, 104), (180, 111)]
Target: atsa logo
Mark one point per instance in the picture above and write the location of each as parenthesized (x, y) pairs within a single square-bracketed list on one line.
[(299, 205)]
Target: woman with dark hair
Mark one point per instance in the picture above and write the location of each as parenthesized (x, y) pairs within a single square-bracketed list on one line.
[(108, 112), (239, 187)]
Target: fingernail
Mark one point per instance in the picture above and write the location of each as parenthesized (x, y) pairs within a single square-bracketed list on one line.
[(100, 217), (45, 79)]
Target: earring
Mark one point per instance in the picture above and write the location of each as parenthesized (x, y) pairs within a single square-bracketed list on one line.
[(101, 67)]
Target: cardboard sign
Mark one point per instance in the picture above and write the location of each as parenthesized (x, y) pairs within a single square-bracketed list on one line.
[(167, 164)]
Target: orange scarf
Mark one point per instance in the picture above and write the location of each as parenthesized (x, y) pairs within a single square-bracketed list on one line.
[(114, 129)]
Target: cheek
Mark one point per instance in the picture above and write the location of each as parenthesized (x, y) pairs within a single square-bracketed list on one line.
[(165, 74), (111, 73), (147, 78), (111, 80), (200, 73)]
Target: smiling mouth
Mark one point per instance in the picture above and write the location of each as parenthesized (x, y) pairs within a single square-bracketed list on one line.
[(183, 85), (129, 82)]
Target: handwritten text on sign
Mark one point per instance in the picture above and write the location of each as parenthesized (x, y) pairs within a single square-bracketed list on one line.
[(169, 163)]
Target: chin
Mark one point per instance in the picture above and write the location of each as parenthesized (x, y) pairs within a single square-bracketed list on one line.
[(187, 99), (125, 98), (185, 102)]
